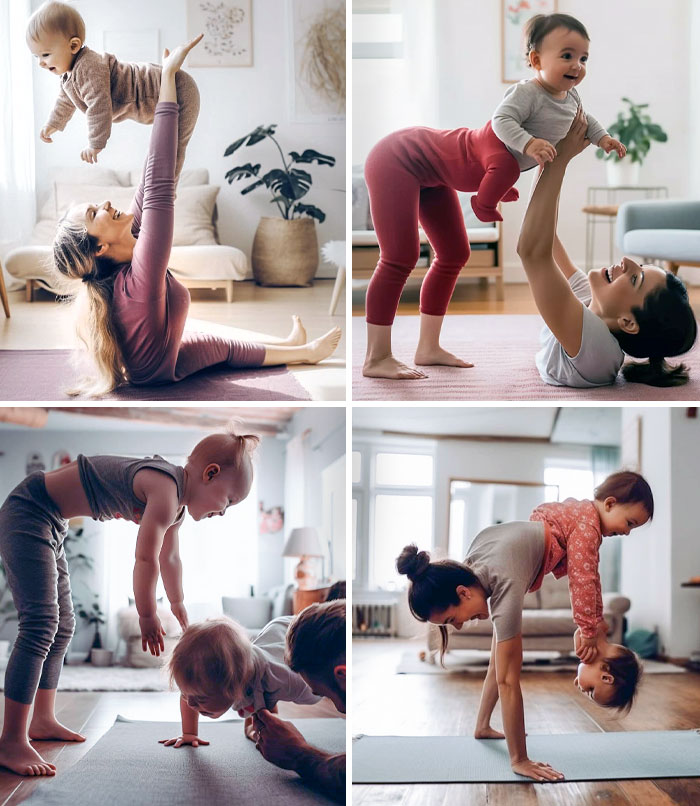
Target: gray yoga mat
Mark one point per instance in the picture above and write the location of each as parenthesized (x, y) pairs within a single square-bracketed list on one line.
[(580, 756), (127, 767)]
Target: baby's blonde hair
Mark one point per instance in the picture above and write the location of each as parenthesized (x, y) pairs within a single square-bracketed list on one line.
[(214, 657), (227, 450), (55, 18)]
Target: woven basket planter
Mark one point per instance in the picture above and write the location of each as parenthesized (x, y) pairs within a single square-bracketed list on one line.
[(285, 252)]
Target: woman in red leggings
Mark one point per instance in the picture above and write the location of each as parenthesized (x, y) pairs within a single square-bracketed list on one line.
[(413, 176), (134, 312)]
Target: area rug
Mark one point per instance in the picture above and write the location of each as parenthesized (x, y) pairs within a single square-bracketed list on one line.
[(38, 375), (128, 767), (459, 661), (579, 756), (503, 350), (87, 677)]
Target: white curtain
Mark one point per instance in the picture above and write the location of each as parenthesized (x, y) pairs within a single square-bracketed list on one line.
[(17, 128), (606, 460), (294, 496)]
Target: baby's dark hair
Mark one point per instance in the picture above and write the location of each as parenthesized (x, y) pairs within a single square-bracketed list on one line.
[(667, 326), (433, 586), (627, 487), (540, 25), (626, 669)]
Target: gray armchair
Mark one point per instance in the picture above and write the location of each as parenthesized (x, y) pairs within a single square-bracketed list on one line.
[(254, 612), (661, 229)]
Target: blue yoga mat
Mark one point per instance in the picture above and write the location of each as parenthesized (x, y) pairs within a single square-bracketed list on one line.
[(580, 756)]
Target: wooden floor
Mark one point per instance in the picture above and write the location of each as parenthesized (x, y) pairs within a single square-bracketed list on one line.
[(384, 703), (479, 297), (47, 324), (93, 714)]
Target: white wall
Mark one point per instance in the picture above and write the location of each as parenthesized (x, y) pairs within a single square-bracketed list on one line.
[(233, 102), (627, 37), (666, 552)]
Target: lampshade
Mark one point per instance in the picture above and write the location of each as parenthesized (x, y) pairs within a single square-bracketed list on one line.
[(303, 541)]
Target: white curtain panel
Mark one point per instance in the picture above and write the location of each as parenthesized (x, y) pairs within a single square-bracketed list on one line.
[(294, 496), (17, 129)]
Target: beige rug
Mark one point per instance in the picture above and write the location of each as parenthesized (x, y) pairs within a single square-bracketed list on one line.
[(477, 660)]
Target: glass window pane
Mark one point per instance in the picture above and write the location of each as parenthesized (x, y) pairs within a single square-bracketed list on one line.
[(572, 482), (354, 538), (404, 469), (356, 467), (398, 520)]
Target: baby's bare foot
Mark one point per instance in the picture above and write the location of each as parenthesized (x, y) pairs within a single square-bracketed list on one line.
[(436, 355), (324, 346), (52, 730), (23, 759), (389, 367)]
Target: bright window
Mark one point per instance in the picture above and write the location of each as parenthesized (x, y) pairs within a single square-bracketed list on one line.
[(398, 520), (404, 470), (356, 467), (572, 483)]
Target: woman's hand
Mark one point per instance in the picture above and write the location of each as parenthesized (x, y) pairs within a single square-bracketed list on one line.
[(538, 770), (152, 633), (186, 738), (172, 62), (575, 140)]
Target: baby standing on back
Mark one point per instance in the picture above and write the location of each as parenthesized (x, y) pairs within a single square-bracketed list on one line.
[(99, 85), (33, 523)]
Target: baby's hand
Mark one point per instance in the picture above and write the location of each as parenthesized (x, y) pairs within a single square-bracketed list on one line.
[(186, 738), (178, 610), (90, 154), (587, 649), (609, 144), (540, 150), (152, 633), (46, 133)]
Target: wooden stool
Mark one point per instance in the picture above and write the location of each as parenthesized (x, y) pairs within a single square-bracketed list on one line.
[(3, 294)]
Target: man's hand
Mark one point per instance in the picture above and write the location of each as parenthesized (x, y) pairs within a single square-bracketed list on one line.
[(540, 150), (609, 144), (186, 738), (46, 133), (152, 633), (178, 610), (279, 741), (90, 155)]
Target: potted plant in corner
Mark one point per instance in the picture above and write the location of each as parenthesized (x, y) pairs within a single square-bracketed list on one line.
[(94, 615), (7, 613), (285, 249), (634, 129)]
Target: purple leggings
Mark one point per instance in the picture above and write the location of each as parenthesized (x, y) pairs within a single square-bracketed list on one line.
[(413, 176)]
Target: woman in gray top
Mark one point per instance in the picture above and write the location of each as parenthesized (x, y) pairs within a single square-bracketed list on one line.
[(593, 321), (503, 563)]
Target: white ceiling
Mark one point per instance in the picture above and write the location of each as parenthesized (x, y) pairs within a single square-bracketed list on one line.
[(596, 426)]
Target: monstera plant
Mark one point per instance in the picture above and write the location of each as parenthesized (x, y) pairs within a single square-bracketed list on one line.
[(285, 249)]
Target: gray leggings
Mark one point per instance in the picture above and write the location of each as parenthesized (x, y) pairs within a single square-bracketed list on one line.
[(31, 546)]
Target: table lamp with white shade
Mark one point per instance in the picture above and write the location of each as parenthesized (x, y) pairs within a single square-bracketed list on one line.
[(303, 542)]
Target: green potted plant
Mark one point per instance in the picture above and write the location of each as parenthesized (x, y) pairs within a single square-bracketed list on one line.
[(285, 249), (94, 615), (634, 129)]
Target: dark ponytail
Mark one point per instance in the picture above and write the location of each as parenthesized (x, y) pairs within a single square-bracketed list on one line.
[(667, 326), (433, 586)]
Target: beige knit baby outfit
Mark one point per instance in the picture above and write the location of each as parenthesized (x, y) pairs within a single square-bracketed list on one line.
[(108, 90)]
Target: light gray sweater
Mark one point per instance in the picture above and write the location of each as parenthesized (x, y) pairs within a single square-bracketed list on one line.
[(528, 110)]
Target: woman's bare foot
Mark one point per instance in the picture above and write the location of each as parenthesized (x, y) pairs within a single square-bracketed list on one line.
[(488, 733), (391, 368), (323, 346), (23, 759), (52, 730), (297, 336), (436, 355)]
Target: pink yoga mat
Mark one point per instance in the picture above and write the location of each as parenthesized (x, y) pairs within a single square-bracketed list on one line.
[(42, 375), (502, 348)]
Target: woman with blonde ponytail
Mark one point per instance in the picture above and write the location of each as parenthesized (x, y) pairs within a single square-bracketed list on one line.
[(130, 311)]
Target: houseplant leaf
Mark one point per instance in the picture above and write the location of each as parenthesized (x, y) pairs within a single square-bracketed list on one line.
[(310, 210), (242, 172), (309, 155)]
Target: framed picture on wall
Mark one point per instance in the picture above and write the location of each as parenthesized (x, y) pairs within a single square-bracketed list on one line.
[(227, 26), (514, 15)]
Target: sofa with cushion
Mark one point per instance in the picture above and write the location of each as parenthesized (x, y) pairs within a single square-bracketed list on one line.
[(197, 258), (254, 612), (485, 240), (547, 622)]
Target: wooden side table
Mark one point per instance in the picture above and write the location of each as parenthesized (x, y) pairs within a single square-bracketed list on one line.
[(3, 294), (303, 599), (598, 213)]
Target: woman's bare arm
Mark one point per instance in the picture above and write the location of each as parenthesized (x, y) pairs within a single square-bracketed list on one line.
[(555, 300)]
